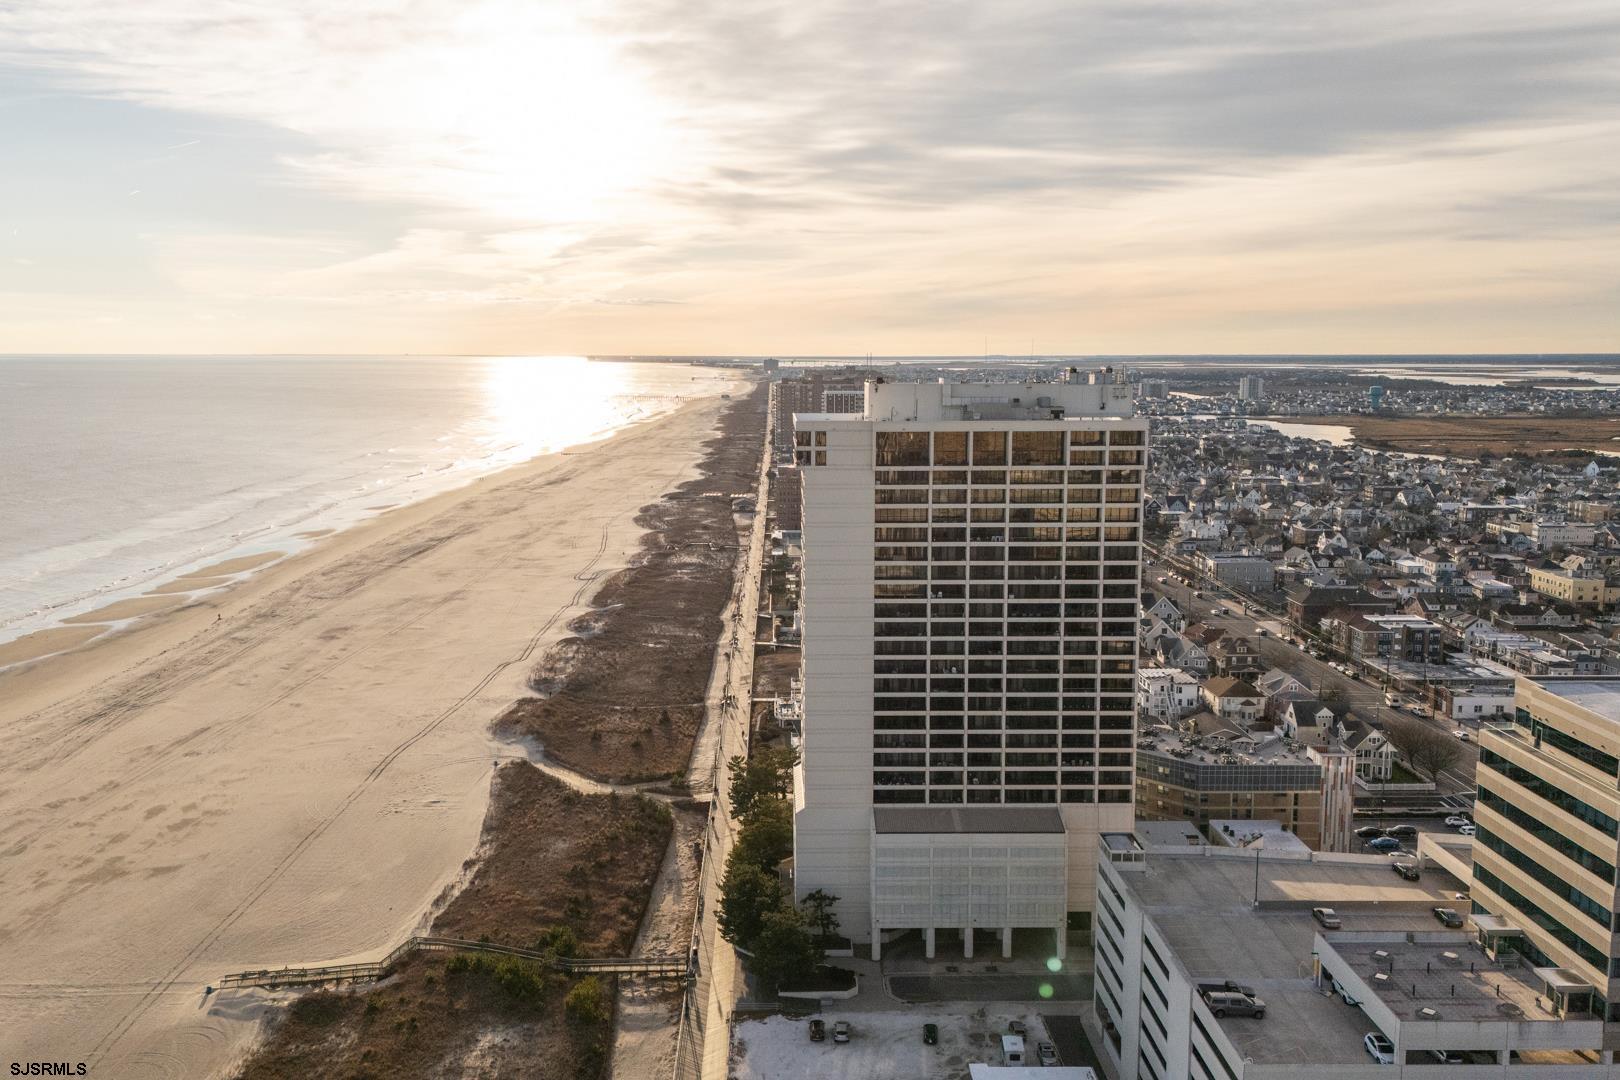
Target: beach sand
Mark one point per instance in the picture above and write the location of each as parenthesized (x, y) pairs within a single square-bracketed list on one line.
[(292, 769), (124, 609), (185, 584), (44, 642)]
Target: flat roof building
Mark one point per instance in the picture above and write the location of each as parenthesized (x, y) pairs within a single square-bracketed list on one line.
[(1173, 923), (972, 558)]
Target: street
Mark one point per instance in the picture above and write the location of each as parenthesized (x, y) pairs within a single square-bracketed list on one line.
[(1364, 698)]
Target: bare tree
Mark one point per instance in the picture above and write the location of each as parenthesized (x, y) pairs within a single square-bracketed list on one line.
[(1428, 750)]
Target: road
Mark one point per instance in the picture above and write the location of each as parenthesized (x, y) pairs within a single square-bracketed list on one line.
[(704, 1042), (1363, 697)]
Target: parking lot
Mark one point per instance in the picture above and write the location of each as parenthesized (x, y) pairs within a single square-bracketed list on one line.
[(883, 1044), (1408, 843)]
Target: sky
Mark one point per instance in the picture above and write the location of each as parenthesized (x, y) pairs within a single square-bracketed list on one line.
[(793, 177)]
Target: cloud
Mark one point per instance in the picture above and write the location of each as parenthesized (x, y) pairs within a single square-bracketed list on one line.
[(1131, 171)]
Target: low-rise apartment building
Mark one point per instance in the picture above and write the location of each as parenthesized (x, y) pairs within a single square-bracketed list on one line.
[(1587, 587), (1213, 769), (1251, 573)]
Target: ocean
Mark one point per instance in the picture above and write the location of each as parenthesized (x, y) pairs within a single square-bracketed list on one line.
[(118, 473)]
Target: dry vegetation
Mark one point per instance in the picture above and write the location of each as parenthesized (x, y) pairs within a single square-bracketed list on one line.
[(557, 869), (1470, 436), (623, 698)]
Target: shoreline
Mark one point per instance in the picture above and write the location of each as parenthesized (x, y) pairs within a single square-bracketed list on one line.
[(212, 583), (331, 509), (294, 678)]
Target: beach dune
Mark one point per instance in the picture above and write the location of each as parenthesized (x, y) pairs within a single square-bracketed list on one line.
[(292, 769)]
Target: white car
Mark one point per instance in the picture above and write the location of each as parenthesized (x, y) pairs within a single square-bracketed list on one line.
[(1461, 734), (1466, 830), (1457, 821), (1379, 1046)]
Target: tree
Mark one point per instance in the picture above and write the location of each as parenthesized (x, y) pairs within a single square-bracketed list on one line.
[(783, 952), (766, 836), (818, 910), (747, 895), (766, 776), (1427, 750)]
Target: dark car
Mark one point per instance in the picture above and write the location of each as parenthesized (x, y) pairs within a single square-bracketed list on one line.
[(931, 1034), (1225, 985), (1367, 832), (1384, 843), (1448, 917), (1017, 1027), (1403, 830), (1407, 870), (818, 1030)]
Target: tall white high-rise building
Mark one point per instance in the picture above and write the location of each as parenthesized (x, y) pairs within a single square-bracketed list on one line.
[(972, 557), (1252, 388)]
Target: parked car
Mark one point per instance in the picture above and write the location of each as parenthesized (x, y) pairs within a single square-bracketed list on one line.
[(1327, 917), (1457, 821), (1225, 985), (1379, 1046), (818, 1030), (1368, 832), (1017, 1027), (1261, 631), (1446, 1057), (1225, 1003), (1448, 917), (1046, 1054), (1407, 870), (1384, 843), (1344, 993), (1402, 830), (1466, 830), (841, 1031), (1461, 734), (931, 1034)]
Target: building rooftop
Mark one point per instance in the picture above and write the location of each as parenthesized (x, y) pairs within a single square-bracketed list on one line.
[(1202, 901), (1601, 696), (1447, 974), (967, 819), (1222, 742)]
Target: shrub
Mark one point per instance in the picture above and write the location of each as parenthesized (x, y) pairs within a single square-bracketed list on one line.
[(587, 1004)]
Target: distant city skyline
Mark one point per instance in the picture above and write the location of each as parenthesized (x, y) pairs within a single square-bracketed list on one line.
[(643, 177)]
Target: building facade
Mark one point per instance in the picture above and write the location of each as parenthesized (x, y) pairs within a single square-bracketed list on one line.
[(1251, 573), (1548, 814), (970, 601)]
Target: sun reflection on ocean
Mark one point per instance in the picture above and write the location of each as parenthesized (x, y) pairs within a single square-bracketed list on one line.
[(537, 404)]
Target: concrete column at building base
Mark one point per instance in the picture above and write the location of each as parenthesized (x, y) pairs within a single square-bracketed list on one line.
[(1006, 943), (1061, 932), (877, 944), (967, 943), (928, 942)]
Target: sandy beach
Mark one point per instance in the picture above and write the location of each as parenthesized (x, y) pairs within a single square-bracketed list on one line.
[(291, 769)]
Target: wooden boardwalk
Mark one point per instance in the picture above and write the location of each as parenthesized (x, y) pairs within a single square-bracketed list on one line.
[(668, 967)]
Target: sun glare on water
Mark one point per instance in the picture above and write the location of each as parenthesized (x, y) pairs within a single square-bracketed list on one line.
[(538, 404)]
